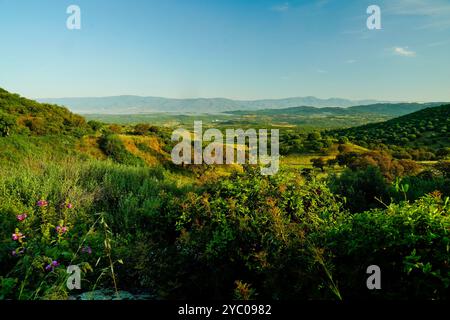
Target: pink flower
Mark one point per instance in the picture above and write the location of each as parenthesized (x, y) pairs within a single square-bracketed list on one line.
[(22, 216), (42, 203), (17, 236), (61, 229), (69, 206)]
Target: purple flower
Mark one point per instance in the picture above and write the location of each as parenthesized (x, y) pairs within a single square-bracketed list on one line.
[(69, 206), (22, 216), (16, 252), (52, 265), (87, 250), (42, 203)]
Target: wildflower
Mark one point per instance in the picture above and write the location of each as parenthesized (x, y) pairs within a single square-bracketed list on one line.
[(69, 206), (22, 216), (42, 203), (16, 252), (52, 265), (61, 229), (87, 250), (17, 236)]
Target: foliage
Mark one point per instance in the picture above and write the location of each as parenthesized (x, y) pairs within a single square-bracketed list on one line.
[(114, 148), (21, 115), (7, 124), (363, 189), (214, 233), (420, 134), (409, 242)]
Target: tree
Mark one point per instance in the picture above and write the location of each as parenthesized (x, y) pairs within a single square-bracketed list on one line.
[(346, 158), (95, 125), (7, 123), (361, 188), (314, 136), (114, 128), (343, 140), (141, 129)]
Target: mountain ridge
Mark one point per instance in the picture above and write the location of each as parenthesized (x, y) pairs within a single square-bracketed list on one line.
[(131, 104)]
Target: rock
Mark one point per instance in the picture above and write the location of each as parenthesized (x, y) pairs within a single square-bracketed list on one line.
[(109, 294)]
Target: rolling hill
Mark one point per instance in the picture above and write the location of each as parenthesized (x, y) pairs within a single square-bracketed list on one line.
[(384, 109), (21, 115), (425, 128)]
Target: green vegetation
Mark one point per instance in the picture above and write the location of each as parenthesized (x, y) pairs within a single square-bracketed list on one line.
[(107, 198), (20, 115), (422, 135)]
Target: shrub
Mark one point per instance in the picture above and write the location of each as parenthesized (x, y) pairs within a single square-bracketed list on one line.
[(361, 188), (409, 242)]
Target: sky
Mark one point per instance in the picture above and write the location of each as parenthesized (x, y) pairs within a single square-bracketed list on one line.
[(238, 49)]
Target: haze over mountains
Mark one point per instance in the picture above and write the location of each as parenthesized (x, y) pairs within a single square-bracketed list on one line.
[(137, 104)]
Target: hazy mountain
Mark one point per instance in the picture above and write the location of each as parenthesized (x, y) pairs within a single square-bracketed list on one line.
[(137, 104)]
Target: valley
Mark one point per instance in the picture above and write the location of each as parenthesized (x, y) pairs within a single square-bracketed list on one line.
[(104, 193)]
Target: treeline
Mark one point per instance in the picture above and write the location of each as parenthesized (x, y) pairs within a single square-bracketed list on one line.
[(293, 142)]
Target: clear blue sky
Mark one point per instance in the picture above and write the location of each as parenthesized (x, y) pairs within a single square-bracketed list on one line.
[(245, 49)]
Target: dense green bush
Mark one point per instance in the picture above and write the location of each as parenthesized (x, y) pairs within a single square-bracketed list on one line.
[(249, 228), (363, 189), (7, 124), (247, 236), (409, 242)]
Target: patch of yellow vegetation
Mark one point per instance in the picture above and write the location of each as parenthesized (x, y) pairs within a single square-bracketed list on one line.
[(130, 146), (152, 142), (89, 145), (357, 148), (152, 157)]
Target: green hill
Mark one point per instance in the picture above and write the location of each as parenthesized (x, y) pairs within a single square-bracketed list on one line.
[(384, 109), (427, 128), (24, 116)]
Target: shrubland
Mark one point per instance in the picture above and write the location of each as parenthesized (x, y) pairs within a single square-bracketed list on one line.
[(208, 232)]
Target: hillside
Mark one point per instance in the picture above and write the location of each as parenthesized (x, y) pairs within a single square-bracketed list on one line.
[(24, 116), (384, 109), (110, 201), (137, 104), (425, 128)]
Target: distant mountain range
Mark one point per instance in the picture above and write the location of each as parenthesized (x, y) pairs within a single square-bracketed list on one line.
[(137, 104)]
